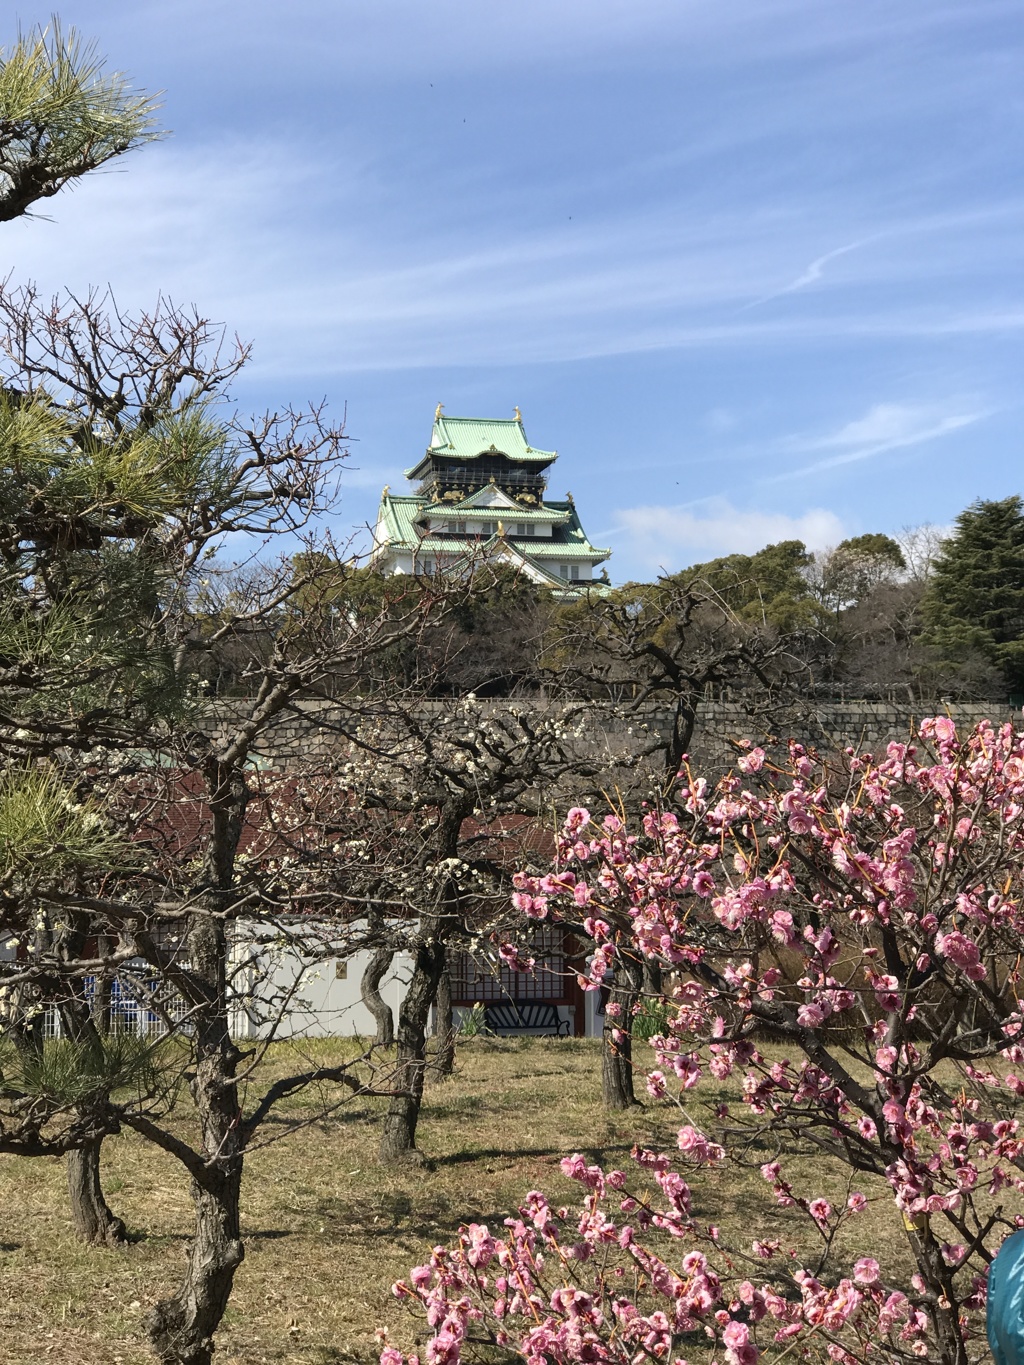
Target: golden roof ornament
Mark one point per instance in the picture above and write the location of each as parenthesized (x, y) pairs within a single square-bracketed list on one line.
[(385, 490), (519, 415), (437, 412), (568, 498), (501, 530)]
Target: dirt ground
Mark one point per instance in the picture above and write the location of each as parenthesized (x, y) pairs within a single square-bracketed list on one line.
[(328, 1230)]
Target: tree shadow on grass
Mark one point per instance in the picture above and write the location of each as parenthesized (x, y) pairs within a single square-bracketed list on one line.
[(603, 1155), (465, 1158), (409, 1235), (140, 1236)]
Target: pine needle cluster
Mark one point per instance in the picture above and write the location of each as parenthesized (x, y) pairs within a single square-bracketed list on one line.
[(61, 115)]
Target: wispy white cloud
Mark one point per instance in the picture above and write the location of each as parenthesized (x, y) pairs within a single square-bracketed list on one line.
[(884, 427), (371, 189), (812, 274), (670, 538), (331, 292), (387, 40)]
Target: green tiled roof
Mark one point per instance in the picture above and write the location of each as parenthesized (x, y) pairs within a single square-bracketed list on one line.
[(561, 587), (464, 438), (571, 542), (399, 517), (434, 545), (456, 511), (469, 436)]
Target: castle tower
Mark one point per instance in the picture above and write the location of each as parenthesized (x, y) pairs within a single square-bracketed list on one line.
[(481, 492)]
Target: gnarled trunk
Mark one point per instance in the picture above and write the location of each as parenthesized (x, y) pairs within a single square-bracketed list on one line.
[(398, 1135), (94, 1221), (87, 1023), (653, 980), (944, 1304), (684, 720), (369, 989), (181, 1328), (617, 1036), (443, 1061)]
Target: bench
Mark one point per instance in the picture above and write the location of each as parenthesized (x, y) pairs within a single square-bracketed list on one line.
[(526, 1016)]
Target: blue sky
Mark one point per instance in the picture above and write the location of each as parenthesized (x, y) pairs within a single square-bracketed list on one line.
[(753, 267)]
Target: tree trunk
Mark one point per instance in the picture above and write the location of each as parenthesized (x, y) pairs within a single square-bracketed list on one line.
[(94, 1222), (617, 1037), (369, 988), (398, 1136), (684, 720), (443, 1063), (101, 994), (181, 1328), (87, 1023), (653, 980), (944, 1305)]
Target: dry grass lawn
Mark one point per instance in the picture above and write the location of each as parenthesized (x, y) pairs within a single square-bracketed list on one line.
[(328, 1230)]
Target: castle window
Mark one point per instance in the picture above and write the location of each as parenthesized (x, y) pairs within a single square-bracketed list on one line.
[(525, 528)]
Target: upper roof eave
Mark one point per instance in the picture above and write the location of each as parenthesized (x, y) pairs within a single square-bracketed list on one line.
[(541, 459), (467, 438), (401, 511), (458, 511), (559, 586)]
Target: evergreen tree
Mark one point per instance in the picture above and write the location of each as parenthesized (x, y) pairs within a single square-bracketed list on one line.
[(61, 116), (975, 602), (855, 568), (768, 587)]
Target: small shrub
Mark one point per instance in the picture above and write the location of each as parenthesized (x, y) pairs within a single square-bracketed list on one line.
[(473, 1023), (650, 1020)]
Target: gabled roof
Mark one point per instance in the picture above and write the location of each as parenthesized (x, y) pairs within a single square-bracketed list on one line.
[(514, 551), (488, 496), (498, 511), (466, 438), (398, 516), (395, 520)]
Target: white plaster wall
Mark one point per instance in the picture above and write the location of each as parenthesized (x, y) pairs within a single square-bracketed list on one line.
[(395, 563), (320, 1003), (540, 530), (594, 1025)]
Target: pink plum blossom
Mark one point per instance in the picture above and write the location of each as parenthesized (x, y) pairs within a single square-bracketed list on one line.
[(866, 1270), (817, 935)]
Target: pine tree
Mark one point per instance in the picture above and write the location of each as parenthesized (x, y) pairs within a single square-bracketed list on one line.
[(768, 587), (61, 116), (975, 601)]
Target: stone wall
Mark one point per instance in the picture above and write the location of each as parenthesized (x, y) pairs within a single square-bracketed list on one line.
[(306, 732)]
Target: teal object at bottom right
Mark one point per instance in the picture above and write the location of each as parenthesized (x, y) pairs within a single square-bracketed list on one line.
[(1004, 1316)]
